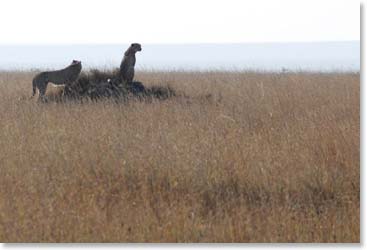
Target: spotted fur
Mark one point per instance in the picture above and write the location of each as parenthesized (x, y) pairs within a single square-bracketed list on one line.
[(64, 76), (127, 65)]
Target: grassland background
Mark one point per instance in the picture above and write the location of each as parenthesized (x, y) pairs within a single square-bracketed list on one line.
[(244, 157)]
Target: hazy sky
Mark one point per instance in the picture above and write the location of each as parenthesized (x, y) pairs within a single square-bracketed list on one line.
[(170, 21), (222, 33)]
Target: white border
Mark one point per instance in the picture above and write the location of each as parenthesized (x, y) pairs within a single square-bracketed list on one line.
[(257, 246)]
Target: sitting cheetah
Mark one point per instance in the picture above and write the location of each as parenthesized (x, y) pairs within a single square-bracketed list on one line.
[(128, 62)]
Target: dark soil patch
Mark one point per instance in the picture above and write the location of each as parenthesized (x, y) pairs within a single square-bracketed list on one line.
[(97, 84)]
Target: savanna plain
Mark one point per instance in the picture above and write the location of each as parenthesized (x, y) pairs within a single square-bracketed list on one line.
[(233, 157)]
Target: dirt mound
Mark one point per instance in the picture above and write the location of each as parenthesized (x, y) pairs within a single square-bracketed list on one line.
[(97, 84)]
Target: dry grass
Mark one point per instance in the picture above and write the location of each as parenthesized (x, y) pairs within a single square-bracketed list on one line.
[(267, 158)]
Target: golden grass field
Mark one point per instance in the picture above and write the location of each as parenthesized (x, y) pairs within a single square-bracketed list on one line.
[(243, 157)]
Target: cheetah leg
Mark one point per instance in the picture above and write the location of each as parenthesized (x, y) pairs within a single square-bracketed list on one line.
[(42, 92)]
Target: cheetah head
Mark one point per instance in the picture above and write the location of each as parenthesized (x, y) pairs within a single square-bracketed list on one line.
[(136, 47), (74, 62)]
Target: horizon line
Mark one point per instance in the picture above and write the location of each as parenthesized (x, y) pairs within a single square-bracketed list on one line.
[(182, 44)]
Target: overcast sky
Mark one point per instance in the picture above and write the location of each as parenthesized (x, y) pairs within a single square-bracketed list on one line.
[(170, 21), (226, 33)]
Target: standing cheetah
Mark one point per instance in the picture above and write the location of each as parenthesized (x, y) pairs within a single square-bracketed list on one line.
[(58, 77)]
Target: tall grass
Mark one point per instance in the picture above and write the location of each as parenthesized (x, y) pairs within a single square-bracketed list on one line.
[(235, 157)]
